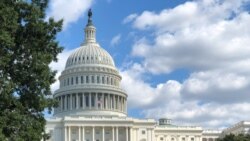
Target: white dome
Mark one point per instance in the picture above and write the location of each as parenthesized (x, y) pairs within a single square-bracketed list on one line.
[(90, 54), (90, 83)]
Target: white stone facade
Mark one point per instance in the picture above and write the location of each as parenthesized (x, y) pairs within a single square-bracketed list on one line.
[(93, 106)]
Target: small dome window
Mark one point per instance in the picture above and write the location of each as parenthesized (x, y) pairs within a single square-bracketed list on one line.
[(83, 58)]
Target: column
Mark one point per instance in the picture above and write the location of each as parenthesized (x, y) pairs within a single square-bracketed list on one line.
[(96, 100), (83, 133), (90, 104), (109, 102), (114, 98), (65, 102), (126, 133), (77, 101), (61, 103), (69, 134), (137, 133), (83, 100), (79, 133), (113, 134), (130, 134), (65, 133), (117, 130), (93, 133), (70, 102), (103, 134), (153, 135), (148, 133), (103, 98)]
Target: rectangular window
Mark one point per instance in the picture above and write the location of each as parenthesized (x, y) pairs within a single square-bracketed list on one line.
[(68, 82), (72, 81), (102, 80), (76, 80), (93, 101), (87, 100), (98, 79), (87, 79), (93, 79), (80, 100), (81, 79)]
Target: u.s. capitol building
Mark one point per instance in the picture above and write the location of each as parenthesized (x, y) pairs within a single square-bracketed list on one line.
[(93, 106)]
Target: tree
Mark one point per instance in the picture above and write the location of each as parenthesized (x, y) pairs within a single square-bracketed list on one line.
[(27, 46), (240, 137)]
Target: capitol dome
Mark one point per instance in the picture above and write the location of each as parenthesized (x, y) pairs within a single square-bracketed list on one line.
[(90, 82)]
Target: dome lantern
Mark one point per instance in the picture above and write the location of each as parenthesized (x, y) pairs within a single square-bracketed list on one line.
[(90, 29)]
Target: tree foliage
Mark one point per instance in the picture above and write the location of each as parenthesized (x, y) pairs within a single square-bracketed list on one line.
[(27, 47), (240, 137)]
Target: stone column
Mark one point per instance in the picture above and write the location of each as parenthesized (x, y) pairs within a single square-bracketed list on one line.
[(93, 133), (96, 100), (148, 135), (79, 133), (126, 133), (61, 103), (130, 134), (69, 134), (103, 134), (103, 98), (83, 101), (109, 102), (153, 134), (83, 133), (113, 134), (137, 133), (90, 104), (71, 102), (65, 102), (117, 133), (65, 133), (114, 99), (77, 101)]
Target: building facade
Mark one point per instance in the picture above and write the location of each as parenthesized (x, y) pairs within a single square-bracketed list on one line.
[(93, 106)]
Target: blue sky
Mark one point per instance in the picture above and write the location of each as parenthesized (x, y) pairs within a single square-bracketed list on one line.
[(184, 60)]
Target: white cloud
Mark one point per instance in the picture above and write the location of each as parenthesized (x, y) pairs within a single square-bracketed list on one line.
[(115, 40), (59, 67), (210, 38), (69, 11), (129, 18)]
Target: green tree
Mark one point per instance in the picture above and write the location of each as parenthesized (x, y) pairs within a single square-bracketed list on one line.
[(240, 137), (27, 46)]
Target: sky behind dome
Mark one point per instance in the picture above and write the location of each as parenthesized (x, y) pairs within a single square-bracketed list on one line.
[(184, 60)]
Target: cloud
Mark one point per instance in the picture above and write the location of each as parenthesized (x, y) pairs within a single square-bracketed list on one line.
[(69, 11), (209, 38), (129, 18), (115, 40), (59, 67)]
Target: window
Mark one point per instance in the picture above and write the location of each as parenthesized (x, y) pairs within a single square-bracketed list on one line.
[(143, 132), (76, 80), (87, 100), (81, 79), (68, 82), (161, 138), (87, 79), (111, 79), (192, 139), (183, 139), (72, 80), (98, 79), (103, 80), (93, 79)]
